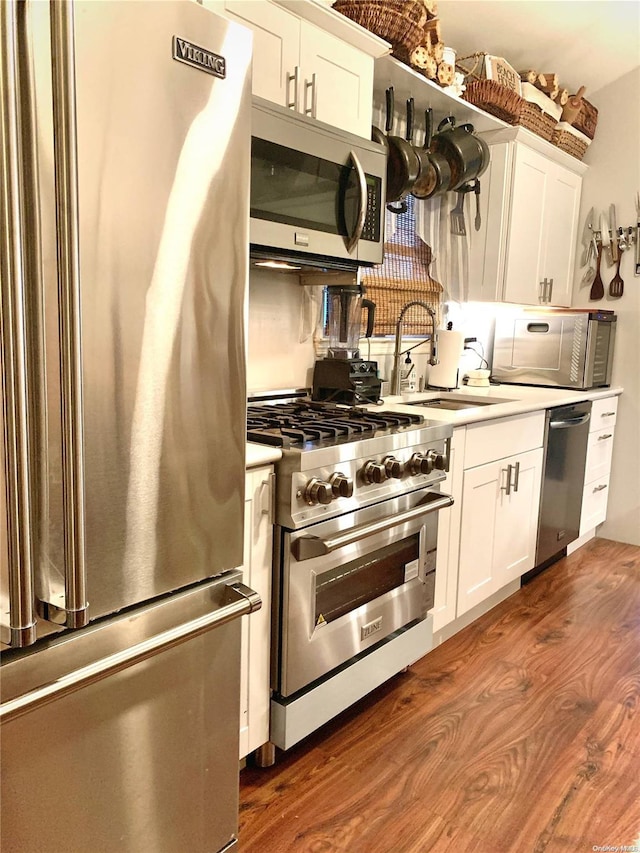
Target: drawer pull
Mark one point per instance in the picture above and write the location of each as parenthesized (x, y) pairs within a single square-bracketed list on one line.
[(607, 414), (605, 436), (600, 488)]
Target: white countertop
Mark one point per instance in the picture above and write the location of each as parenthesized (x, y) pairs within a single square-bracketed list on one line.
[(516, 400), (261, 454)]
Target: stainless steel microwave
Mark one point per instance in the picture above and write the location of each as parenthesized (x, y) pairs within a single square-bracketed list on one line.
[(316, 191), (565, 349)]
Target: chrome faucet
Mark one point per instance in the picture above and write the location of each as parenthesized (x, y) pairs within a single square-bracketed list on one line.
[(396, 375)]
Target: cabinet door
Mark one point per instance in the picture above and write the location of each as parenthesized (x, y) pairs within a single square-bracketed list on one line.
[(480, 495), (524, 269), (276, 46), (343, 94), (560, 227), (256, 631), (444, 608), (543, 225), (516, 527)]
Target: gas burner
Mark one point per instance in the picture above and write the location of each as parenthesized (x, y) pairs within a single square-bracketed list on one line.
[(305, 422)]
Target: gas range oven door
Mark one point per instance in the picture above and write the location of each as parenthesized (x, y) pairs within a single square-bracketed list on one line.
[(350, 583)]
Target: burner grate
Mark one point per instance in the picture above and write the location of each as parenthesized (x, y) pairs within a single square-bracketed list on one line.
[(302, 422)]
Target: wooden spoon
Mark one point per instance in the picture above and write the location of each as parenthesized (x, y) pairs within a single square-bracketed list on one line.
[(597, 288), (616, 286)]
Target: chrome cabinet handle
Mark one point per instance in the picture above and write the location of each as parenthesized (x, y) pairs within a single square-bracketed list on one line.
[(241, 599), (607, 414), (516, 477), (307, 547), (605, 436), (507, 488), (295, 79), (311, 110), (550, 290), (66, 184), (13, 343), (600, 488)]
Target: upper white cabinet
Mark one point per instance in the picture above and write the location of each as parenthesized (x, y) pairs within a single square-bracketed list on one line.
[(302, 66), (525, 252)]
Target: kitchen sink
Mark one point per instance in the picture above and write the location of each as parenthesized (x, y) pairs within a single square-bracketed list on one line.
[(456, 402)]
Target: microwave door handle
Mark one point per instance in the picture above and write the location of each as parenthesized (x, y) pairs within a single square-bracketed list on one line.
[(308, 547), (362, 209)]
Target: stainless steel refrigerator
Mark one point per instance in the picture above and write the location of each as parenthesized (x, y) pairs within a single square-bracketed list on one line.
[(124, 211)]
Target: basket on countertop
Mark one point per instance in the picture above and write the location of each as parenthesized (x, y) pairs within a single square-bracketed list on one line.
[(587, 120), (505, 104), (399, 22), (568, 139)]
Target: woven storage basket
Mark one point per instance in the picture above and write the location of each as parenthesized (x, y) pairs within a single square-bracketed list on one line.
[(587, 120), (507, 105), (567, 140), (396, 21)]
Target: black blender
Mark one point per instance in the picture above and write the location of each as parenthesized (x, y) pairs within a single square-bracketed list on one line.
[(343, 376)]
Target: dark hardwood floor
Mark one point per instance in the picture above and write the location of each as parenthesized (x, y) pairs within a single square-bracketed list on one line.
[(521, 733)]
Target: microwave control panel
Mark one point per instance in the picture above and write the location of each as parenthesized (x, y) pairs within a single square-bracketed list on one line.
[(371, 230)]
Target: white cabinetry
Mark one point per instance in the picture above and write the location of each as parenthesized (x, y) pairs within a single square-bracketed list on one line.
[(598, 464), (525, 252), (500, 501), (299, 65), (256, 631), (444, 609)]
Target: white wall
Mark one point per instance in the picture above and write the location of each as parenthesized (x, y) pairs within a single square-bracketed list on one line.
[(280, 339), (614, 177)]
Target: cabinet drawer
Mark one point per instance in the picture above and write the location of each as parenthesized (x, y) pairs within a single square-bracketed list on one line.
[(603, 413), (599, 450), (504, 437), (594, 504)]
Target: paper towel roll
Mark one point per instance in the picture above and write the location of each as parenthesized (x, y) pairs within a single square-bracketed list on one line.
[(448, 351)]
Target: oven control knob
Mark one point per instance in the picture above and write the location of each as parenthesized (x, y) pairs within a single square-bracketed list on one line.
[(393, 467), (421, 463), (373, 472), (438, 460), (341, 485), (318, 492)]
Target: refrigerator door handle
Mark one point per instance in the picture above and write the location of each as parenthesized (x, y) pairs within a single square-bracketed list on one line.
[(66, 190), (239, 600), (13, 345)]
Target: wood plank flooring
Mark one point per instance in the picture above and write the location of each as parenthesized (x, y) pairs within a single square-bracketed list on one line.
[(520, 733)]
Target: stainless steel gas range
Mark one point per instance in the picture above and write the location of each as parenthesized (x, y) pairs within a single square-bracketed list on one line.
[(357, 501)]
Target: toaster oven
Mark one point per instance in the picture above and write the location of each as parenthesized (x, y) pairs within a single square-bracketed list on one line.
[(559, 348)]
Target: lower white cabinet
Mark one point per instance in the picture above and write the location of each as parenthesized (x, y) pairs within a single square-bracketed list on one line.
[(256, 629), (595, 494), (500, 504), (446, 591)]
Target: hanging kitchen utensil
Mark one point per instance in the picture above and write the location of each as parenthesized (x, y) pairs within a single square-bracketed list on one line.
[(403, 165), (435, 172), (597, 288), (605, 238), (616, 285), (457, 216), (615, 253), (478, 220), (587, 238)]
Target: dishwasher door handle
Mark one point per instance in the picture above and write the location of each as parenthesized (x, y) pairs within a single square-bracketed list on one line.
[(565, 423)]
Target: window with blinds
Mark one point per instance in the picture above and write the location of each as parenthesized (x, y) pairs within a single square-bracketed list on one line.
[(403, 277)]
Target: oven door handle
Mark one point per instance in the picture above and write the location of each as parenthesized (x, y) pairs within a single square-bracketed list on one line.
[(308, 547)]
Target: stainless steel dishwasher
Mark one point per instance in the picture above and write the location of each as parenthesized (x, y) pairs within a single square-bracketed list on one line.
[(565, 442)]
